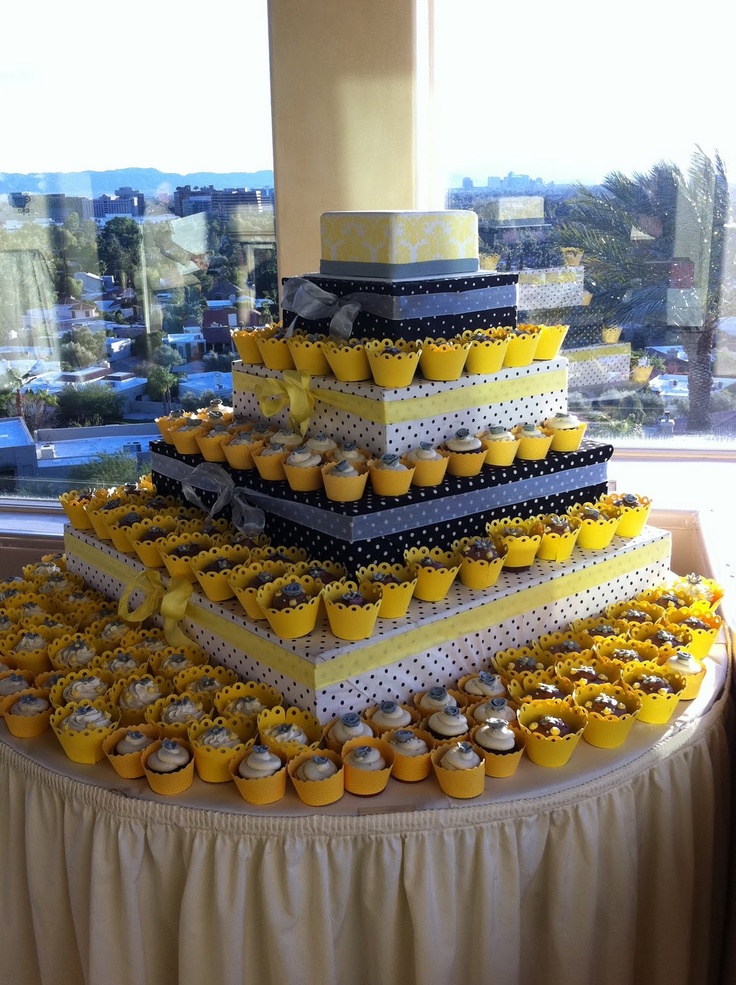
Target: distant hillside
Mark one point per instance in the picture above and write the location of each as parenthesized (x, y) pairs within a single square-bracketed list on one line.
[(91, 184)]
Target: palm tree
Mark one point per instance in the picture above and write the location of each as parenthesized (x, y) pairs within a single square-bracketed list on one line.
[(630, 230)]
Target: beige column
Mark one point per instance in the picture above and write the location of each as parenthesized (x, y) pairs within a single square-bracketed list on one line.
[(349, 88)]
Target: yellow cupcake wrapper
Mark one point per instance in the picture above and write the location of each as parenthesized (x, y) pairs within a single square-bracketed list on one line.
[(318, 793), (169, 784), (458, 784), (261, 790), (367, 783)]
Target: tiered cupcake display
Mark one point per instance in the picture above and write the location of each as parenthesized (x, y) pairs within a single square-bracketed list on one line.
[(593, 680)]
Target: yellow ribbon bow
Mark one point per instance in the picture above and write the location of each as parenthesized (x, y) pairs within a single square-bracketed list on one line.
[(171, 601), (292, 391)]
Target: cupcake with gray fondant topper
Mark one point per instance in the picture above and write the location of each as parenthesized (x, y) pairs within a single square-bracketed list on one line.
[(390, 475), (501, 445), (429, 463), (467, 453), (345, 480)]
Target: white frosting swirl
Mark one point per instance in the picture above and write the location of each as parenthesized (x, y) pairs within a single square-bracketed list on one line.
[(258, 763), (287, 732), (321, 443), (139, 694), (12, 684), (684, 663), (86, 687), (390, 715), (485, 685), (303, 458), (424, 453), (450, 722), (28, 705), (406, 743), (494, 708), (247, 705), (181, 710), (85, 717), (169, 757), (436, 699), (219, 737), (29, 642), (496, 736), (367, 758), (460, 756), (349, 726), (463, 441), (133, 741), (316, 768)]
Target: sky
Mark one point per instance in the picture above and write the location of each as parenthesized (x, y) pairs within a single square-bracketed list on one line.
[(566, 92)]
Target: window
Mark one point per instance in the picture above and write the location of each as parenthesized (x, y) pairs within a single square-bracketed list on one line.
[(136, 228), (597, 150)]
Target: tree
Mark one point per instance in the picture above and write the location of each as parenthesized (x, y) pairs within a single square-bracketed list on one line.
[(161, 383), (119, 247), (630, 231), (168, 356), (82, 348), (93, 404), (106, 470)]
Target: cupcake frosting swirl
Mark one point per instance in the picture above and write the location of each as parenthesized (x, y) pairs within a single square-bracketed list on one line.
[(169, 756), (495, 736), (316, 768), (258, 763), (390, 715), (367, 758), (460, 756)]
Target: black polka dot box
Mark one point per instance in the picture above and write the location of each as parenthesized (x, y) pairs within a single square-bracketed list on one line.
[(415, 308), (380, 528), (434, 643), (395, 420)]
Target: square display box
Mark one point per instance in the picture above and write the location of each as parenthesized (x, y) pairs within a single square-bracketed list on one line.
[(384, 420), (419, 308), (436, 643), (380, 528)]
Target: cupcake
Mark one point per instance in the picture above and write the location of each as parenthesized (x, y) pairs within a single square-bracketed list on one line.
[(659, 691), (307, 351), (246, 699), (345, 481), (550, 341), (467, 453), (412, 753), (522, 346), (393, 364), (26, 713), (691, 670), (215, 743), (566, 431), (259, 775), (552, 729), (501, 747), (611, 711), (633, 512), (443, 359), (437, 698), (389, 715), (459, 769), (559, 536), (289, 731), (350, 452), (124, 749), (397, 585), (390, 475), (449, 723), (239, 447), (291, 605), (434, 569), (429, 464), (486, 353), (302, 467), (321, 444), (534, 443), (318, 777), (481, 562), (348, 726), (367, 763), (275, 351), (348, 360), (500, 444), (168, 765), (518, 540), (269, 462), (484, 684), (495, 707), (597, 525), (82, 728), (352, 610)]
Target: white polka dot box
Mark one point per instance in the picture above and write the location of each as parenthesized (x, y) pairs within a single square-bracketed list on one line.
[(436, 643), (385, 420)]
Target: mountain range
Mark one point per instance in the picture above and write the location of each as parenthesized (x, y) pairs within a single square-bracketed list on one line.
[(149, 181)]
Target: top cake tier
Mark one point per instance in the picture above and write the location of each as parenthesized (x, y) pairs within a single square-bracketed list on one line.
[(397, 245)]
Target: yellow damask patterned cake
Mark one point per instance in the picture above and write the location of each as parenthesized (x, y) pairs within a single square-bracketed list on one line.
[(398, 244)]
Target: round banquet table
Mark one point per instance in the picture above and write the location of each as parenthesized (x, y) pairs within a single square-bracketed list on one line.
[(609, 871)]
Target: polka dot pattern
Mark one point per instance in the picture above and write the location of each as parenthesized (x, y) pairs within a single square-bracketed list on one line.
[(546, 398), (440, 664)]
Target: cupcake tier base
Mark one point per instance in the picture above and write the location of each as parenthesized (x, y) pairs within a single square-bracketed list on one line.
[(435, 644), (377, 528), (386, 420)]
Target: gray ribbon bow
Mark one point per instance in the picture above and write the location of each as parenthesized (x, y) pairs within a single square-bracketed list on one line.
[(306, 299), (248, 519)]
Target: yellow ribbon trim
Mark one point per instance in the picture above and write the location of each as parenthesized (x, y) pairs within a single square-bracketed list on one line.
[(599, 352), (292, 390), (399, 411), (171, 600), (356, 660)]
